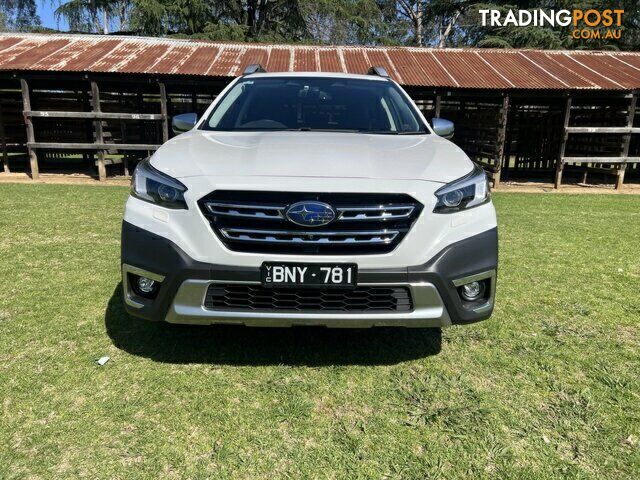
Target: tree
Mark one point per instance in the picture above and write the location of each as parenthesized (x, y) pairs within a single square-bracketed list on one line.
[(19, 15), (404, 20), (424, 22), (446, 14), (258, 19), (93, 16), (434, 23), (343, 21)]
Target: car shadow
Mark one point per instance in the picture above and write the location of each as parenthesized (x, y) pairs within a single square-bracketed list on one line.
[(238, 345)]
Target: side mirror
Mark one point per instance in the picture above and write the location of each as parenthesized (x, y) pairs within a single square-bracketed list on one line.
[(183, 122), (442, 127)]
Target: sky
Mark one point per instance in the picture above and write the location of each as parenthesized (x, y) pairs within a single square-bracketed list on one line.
[(45, 11)]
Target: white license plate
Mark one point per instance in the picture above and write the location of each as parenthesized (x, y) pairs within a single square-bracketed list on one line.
[(309, 274)]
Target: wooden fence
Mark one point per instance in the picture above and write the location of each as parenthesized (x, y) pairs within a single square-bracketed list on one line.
[(104, 124)]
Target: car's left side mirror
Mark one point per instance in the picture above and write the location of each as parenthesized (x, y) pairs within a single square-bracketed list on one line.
[(183, 122), (442, 127)]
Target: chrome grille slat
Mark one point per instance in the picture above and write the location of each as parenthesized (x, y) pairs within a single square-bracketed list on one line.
[(310, 237), (250, 211), (385, 212), (257, 222)]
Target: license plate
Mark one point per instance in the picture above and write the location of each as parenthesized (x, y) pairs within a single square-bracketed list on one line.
[(309, 274)]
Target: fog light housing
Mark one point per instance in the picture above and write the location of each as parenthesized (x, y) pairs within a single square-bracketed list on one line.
[(144, 287), (472, 291)]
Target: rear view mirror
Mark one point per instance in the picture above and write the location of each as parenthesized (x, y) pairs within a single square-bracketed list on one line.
[(183, 122), (442, 127)]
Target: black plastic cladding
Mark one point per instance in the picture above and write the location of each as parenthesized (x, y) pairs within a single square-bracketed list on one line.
[(154, 253), (336, 200)]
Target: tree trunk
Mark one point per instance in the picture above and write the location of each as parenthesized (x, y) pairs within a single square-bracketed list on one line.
[(418, 24), (262, 16), (447, 31)]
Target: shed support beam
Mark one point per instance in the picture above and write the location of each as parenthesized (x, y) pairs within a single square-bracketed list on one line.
[(438, 106), (99, 137), (563, 143), (95, 115), (502, 136), (627, 141), (3, 138), (31, 138), (163, 112), (94, 146)]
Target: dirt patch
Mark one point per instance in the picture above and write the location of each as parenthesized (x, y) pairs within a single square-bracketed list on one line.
[(542, 187), (63, 178)]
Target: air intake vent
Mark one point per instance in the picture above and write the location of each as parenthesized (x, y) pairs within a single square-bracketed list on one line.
[(351, 223), (257, 298)]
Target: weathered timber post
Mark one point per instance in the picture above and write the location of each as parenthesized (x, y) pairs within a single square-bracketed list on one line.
[(194, 101), (502, 136), (99, 137), (31, 138), (163, 112), (563, 143), (3, 138), (627, 141), (438, 106)]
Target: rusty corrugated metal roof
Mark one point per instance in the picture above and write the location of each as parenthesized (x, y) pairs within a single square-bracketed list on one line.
[(410, 66)]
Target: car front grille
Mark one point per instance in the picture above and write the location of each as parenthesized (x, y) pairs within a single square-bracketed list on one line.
[(256, 298), (253, 221)]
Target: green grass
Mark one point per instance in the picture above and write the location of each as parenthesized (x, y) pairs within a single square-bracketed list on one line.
[(548, 388)]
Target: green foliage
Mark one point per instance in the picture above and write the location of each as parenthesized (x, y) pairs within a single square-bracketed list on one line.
[(218, 20), (365, 22), (343, 21), (19, 15), (147, 17), (222, 31), (494, 42), (92, 16)]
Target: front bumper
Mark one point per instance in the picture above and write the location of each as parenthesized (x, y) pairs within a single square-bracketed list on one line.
[(184, 283)]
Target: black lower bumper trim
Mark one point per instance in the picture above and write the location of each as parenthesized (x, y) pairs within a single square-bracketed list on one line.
[(148, 251)]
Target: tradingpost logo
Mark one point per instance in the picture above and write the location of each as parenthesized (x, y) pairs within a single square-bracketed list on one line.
[(588, 24)]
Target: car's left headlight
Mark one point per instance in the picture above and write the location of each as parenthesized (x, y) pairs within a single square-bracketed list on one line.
[(466, 192), (156, 187)]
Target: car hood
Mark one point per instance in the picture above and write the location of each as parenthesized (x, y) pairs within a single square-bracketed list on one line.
[(312, 154)]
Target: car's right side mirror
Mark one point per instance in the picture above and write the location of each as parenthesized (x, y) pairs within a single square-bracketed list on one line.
[(184, 122), (442, 127)]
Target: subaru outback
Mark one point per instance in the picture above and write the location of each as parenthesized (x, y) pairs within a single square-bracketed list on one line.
[(310, 199)]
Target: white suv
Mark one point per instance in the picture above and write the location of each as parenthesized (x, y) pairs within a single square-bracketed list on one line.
[(310, 199)]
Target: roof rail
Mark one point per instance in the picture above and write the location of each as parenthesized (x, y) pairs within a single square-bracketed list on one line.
[(254, 68), (379, 71)]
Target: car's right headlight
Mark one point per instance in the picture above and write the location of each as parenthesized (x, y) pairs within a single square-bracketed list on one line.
[(466, 192), (156, 187)]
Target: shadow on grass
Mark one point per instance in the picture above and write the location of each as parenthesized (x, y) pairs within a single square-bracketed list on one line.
[(238, 345)]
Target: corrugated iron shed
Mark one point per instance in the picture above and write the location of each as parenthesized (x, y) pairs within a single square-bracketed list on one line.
[(417, 67)]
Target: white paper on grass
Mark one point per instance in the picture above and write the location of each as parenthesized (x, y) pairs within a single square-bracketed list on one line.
[(102, 360)]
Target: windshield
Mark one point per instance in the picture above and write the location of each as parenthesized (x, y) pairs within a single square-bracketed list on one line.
[(316, 104)]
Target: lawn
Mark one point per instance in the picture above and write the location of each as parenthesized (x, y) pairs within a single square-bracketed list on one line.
[(549, 387)]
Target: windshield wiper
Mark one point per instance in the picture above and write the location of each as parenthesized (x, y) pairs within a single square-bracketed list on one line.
[(389, 132), (309, 129)]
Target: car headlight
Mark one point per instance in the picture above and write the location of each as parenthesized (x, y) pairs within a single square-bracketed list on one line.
[(154, 186), (466, 192)]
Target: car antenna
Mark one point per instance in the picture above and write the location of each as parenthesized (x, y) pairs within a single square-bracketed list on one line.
[(254, 68), (379, 71)]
